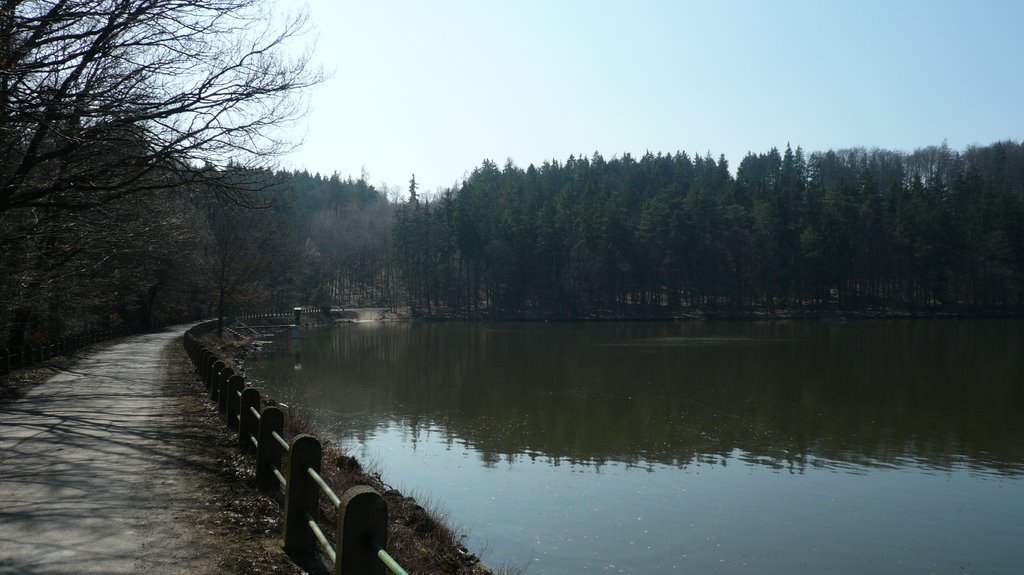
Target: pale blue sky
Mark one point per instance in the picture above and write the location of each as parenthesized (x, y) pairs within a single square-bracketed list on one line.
[(434, 87)]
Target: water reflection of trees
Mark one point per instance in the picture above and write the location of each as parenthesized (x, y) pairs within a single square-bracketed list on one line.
[(784, 394)]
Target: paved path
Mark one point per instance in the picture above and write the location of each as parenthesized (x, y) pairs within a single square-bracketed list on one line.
[(91, 480)]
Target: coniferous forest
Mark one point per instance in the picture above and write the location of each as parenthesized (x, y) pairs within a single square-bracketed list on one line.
[(850, 232)]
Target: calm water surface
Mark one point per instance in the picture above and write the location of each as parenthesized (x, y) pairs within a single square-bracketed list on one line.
[(757, 447)]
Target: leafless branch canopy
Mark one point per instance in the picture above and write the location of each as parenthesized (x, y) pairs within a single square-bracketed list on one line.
[(104, 98)]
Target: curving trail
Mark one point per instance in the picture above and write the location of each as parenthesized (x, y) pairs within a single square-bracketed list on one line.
[(92, 474)]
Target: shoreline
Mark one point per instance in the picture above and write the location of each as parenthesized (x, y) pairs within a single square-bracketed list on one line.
[(725, 315), (421, 540)]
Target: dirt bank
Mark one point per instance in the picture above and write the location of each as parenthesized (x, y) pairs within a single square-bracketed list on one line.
[(420, 541)]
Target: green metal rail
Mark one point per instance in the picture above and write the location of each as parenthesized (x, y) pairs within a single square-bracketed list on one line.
[(252, 438), (280, 441), (324, 487), (383, 555), (388, 560), (321, 537), (277, 472)]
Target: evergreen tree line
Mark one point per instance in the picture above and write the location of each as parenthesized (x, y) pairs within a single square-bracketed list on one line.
[(849, 231)]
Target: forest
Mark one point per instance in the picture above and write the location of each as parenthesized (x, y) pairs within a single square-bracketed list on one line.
[(155, 258), (858, 233), (851, 232), (136, 141)]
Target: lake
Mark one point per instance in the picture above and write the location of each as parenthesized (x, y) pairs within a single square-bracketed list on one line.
[(691, 447)]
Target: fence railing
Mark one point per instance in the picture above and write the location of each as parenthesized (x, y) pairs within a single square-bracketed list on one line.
[(293, 468), (28, 355)]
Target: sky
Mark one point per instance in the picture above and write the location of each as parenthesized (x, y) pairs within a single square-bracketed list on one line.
[(433, 88)]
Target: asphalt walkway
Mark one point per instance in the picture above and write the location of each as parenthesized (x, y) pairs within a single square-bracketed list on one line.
[(91, 480)]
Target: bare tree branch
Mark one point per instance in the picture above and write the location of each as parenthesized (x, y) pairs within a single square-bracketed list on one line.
[(100, 99)]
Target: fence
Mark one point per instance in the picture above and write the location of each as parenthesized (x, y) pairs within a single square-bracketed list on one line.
[(305, 310), (294, 470), (28, 355)]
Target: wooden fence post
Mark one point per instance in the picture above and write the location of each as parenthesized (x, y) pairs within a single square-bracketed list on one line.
[(302, 496), (362, 519), (201, 360), (268, 456), (207, 368), (211, 376), (221, 381), (235, 386), (248, 423)]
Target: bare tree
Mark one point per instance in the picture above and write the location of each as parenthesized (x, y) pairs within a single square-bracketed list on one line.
[(111, 111), (100, 99), (107, 264), (246, 250)]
